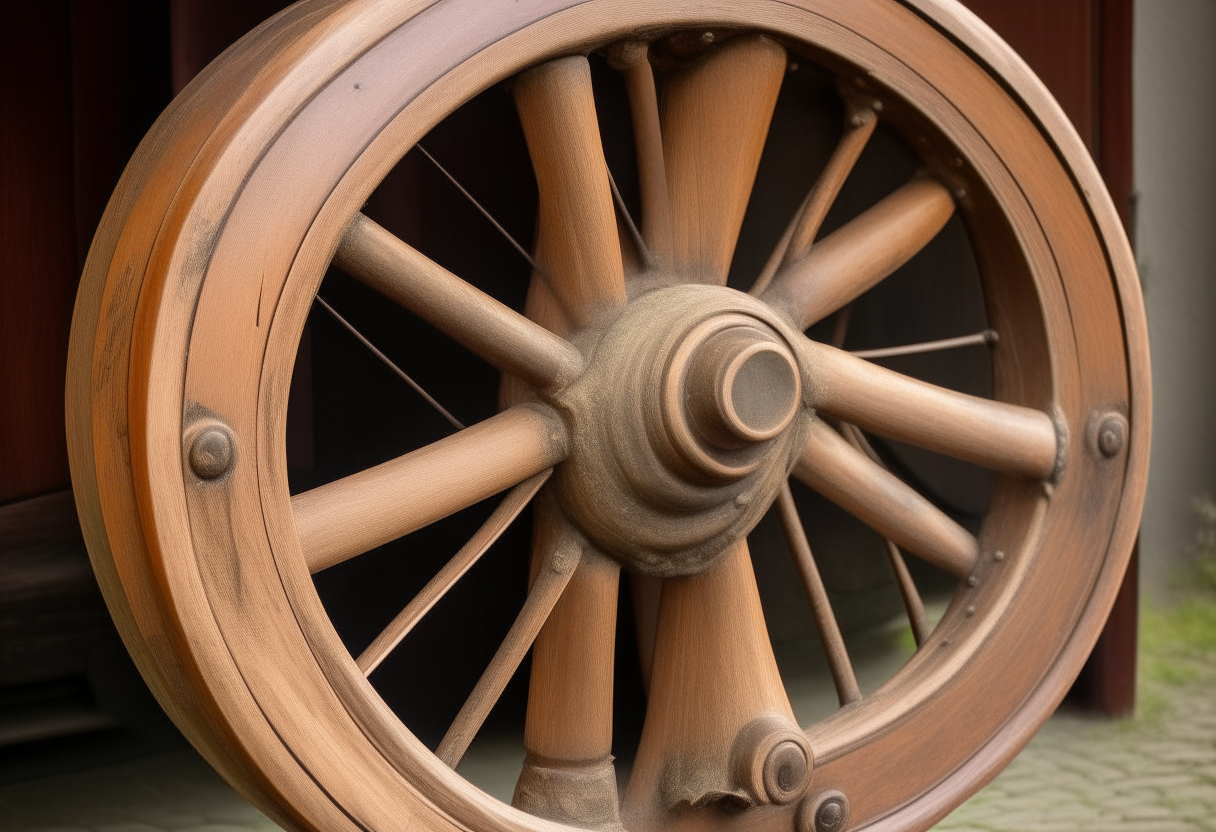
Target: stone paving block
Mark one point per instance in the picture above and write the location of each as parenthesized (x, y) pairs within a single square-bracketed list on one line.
[(1161, 782), (1164, 825), (1093, 771), (1181, 753), (1200, 792), (1053, 797), (1191, 811), (1147, 811), (1124, 761), (975, 813), (1018, 785), (1047, 826), (1124, 802), (1016, 820)]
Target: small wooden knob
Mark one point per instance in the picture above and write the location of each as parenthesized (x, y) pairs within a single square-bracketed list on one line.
[(742, 387), (772, 759)]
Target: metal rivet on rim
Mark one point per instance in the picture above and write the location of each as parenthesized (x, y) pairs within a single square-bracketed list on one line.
[(1112, 433), (210, 454), (824, 812)]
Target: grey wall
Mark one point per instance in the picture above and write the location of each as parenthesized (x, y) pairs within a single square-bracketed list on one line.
[(1175, 160)]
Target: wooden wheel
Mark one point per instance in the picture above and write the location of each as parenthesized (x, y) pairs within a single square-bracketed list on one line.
[(654, 413)]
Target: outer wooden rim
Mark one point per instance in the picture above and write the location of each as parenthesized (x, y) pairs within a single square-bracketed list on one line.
[(140, 308)]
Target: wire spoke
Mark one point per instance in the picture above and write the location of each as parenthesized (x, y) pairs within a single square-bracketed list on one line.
[(987, 337), (362, 339), (547, 588), (484, 212), (453, 571), (913, 604), (843, 677), (634, 234)]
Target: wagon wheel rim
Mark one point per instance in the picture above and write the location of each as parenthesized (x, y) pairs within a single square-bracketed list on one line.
[(355, 701)]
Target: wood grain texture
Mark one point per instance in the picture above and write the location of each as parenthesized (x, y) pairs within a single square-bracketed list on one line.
[(633, 59), (715, 119), (570, 697), (577, 235), (800, 234), (492, 330), (843, 265), (994, 434), (713, 673), (551, 579), (401, 625), (239, 644), (350, 516), (876, 497)]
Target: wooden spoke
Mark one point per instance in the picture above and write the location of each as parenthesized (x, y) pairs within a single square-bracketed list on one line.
[(632, 58), (570, 694), (715, 120), (569, 721), (349, 516), (907, 587), (713, 673), (800, 234), (577, 235), (997, 435), (453, 571), (878, 498), (547, 587), (850, 260), (843, 676), (494, 331)]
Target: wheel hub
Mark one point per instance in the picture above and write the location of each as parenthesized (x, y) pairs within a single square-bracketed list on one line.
[(682, 428)]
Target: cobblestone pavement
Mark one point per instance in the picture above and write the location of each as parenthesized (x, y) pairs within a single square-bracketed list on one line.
[(1156, 773)]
